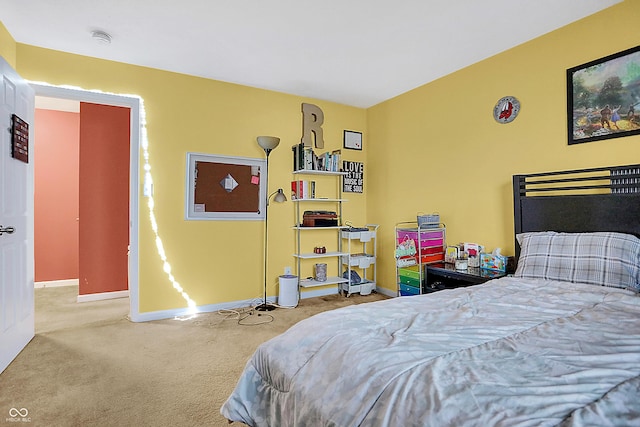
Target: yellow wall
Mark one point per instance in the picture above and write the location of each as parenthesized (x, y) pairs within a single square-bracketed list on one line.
[(7, 46), (214, 261), (437, 148)]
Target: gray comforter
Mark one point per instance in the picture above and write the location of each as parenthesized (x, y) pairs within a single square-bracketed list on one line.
[(508, 352)]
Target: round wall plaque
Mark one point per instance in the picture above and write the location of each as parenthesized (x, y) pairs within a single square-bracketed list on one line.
[(506, 109)]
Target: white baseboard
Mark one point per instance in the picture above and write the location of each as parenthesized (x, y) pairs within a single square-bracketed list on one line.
[(103, 296), (329, 291), (210, 308), (185, 312), (387, 292), (56, 283)]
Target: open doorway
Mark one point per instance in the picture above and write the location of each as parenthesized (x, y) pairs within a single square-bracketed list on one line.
[(104, 210), (81, 198), (56, 188)]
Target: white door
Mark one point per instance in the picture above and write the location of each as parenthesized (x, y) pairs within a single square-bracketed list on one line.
[(16, 221)]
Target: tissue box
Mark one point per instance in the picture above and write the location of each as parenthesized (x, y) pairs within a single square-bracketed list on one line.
[(493, 262)]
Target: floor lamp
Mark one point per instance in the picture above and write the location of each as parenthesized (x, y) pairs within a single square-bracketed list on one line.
[(268, 143)]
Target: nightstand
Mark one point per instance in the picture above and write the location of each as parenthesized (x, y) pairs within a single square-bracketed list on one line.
[(445, 276)]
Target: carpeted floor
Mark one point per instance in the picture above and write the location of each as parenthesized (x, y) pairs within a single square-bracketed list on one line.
[(90, 366)]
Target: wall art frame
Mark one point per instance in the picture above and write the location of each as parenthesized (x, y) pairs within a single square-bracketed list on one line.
[(352, 140), (603, 98)]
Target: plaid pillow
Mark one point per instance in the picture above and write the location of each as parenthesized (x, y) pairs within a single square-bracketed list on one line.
[(603, 258)]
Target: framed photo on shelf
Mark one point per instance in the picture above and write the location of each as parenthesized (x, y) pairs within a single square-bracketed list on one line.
[(352, 140), (602, 98)]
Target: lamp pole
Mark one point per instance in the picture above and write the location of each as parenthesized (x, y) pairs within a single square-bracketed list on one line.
[(268, 143), (265, 306)]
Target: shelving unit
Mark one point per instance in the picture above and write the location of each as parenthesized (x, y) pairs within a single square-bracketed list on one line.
[(304, 250), (361, 257), (430, 244)]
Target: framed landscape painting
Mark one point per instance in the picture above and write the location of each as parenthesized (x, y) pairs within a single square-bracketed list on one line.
[(603, 98)]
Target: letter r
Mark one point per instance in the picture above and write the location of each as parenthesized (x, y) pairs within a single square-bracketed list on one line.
[(312, 120)]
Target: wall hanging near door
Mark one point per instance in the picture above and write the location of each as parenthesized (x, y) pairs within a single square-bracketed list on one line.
[(19, 139)]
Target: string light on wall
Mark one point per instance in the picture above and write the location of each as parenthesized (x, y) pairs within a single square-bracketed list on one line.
[(148, 192)]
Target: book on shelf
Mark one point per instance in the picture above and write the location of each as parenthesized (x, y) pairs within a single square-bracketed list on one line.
[(304, 158), (298, 156), (303, 189), (335, 160), (308, 158)]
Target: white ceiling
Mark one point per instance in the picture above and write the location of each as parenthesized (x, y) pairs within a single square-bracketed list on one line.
[(354, 52)]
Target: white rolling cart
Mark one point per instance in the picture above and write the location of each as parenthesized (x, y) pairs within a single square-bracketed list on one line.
[(361, 252)]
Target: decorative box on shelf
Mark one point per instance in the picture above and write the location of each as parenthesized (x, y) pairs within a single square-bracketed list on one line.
[(319, 219), (493, 262)]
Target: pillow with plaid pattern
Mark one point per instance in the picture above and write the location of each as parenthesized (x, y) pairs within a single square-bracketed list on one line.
[(600, 258)]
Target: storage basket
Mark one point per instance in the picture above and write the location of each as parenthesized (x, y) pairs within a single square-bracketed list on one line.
[(358, 260), (406, 234), (430, 259), (409, 276), (431, 250), (406, 290), (428, 220), (407, 261), (366, 288)]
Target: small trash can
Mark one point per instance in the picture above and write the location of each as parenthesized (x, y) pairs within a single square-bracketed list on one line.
[(288, 291)]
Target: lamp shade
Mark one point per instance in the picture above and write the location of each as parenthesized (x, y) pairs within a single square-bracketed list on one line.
[(268, 142), (280, 197)]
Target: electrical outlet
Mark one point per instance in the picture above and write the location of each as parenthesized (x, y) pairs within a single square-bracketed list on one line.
[(287, 271)]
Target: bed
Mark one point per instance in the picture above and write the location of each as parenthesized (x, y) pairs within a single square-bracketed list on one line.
[(556, 343)]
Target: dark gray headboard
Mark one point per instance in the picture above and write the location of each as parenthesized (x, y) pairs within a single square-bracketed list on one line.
[(582, 200)]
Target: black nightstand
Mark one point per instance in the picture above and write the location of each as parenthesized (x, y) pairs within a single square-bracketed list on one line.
[(445, 276)]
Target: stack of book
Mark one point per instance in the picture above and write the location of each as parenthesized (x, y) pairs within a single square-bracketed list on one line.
[(303, 189), (305, 159)]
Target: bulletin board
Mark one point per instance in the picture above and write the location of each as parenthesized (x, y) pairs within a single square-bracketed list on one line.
[(225, 188)]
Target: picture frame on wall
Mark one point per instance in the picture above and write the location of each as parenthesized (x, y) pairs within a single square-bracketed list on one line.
[(603, 98), (352, 140)]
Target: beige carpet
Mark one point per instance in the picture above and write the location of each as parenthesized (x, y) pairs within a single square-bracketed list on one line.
[(90, 366)]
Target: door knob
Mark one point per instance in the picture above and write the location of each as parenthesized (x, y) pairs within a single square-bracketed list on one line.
[(7, 230)]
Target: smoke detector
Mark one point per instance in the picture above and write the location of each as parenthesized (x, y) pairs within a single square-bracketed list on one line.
[(101, 37)]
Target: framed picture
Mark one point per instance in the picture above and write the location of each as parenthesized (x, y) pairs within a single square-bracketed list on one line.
[(603, 98), (352, 140)]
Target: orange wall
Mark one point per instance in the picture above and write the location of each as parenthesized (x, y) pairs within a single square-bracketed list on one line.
[(56, 195), (104, 198)]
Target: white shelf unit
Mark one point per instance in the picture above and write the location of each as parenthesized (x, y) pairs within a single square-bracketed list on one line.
[(334, 252), (361, 255)]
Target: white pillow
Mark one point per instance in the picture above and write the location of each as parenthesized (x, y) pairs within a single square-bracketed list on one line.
[(601, 258)]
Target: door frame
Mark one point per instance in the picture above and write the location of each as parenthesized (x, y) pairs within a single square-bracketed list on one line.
[(134, 103)]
